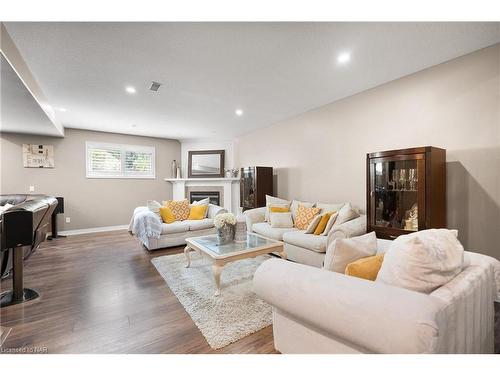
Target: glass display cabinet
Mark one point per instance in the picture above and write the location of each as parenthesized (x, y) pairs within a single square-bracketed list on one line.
[(406, 191), (255, 183)]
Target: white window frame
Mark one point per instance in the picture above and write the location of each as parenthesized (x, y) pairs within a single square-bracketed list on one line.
[(123, 149)]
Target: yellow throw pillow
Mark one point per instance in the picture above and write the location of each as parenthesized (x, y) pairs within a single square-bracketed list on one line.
[(365, 268), (305, 215), (322, 223), (198, 212), (180, 209), (167, 215), (278, 209)]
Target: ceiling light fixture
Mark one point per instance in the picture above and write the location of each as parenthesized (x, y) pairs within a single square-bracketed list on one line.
[(61, 109), (239, 112), (155, 86), (133, 125), (130, 90), (344, 58)]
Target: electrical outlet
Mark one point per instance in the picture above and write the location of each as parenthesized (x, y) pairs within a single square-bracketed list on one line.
[(68, 220), (32, 188)]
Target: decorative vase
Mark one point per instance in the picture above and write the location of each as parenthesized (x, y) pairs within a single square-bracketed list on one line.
[(225, 234), (240, 234), (174, 169), (178, 173)]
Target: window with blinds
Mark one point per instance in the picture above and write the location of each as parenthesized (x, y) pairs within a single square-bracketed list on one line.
[(110, 160)]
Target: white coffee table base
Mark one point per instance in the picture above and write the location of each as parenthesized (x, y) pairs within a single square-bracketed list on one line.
[(218, 264)]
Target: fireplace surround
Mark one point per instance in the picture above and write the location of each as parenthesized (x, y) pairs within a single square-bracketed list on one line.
[(228, 189)]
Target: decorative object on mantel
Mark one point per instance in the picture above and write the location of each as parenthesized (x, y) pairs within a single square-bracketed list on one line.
[(208, 163), (236, 313), (38, 156), (224, 224), (232, 173), (173, 173), (178, 172), (240, 233), (255, 183)]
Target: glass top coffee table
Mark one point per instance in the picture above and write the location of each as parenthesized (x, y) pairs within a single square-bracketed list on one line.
[(220, 255)]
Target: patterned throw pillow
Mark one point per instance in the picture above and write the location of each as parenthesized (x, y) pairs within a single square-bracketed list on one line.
[(305, 215), (180, 209)]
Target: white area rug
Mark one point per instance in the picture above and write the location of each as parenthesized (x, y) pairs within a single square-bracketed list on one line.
[(236, 313)]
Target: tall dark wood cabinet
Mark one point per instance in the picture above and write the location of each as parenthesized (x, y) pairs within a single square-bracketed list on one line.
[(255, 183), (406, 191)]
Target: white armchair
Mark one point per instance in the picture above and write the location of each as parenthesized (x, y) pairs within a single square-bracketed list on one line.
[(319, 311)]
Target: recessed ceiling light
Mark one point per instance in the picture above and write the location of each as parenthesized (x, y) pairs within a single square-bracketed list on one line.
[(133, 125), (344, 58), (130, 89), (61, 109), (239, 112)]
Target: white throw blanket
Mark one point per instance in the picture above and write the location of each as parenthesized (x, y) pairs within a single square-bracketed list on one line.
[(145, 224)]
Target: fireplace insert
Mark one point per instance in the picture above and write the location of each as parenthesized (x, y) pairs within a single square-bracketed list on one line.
[(214, 196)]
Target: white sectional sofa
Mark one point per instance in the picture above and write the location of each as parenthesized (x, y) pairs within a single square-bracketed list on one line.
[(319, 311), (154, 234), (300, 247)]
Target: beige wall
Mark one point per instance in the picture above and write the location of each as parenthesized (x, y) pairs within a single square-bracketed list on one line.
[(320, 155), (89, 203)]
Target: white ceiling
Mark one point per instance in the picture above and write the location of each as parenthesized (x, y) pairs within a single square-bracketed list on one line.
[(271, 70), (20, 112)]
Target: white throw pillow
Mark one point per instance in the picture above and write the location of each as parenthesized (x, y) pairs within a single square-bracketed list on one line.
[(280, 220), (343, 251), (422, 261), (345, 214), (154, 206), (295, 205), (313, 224), (6, 207), (330, 224), (273, 201), (202, 202), (329, 207)]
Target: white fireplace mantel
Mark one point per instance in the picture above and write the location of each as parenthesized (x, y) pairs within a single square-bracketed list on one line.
[(174, 180), (230, 186)]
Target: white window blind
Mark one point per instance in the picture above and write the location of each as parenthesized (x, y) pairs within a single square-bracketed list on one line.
[(110, 160)]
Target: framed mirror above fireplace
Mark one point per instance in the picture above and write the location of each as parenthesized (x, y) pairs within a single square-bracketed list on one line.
[(206, 164)]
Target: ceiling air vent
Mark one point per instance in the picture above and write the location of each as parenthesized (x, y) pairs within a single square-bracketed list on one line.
[(155, 86)]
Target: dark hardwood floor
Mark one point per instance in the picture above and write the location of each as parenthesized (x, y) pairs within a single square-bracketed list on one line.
[(99, 293)]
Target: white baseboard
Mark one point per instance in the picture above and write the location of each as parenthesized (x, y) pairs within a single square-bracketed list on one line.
[(92, 230)]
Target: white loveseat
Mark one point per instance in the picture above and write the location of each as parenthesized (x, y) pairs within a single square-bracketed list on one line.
[(300, 247), (154, 234), (319, 311)]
